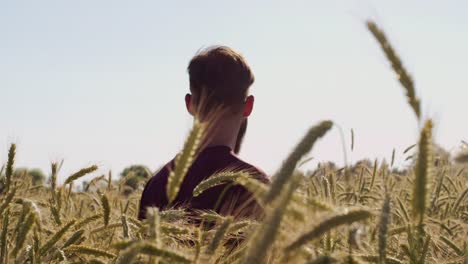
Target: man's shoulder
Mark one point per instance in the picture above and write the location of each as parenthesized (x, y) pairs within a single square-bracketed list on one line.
[(161, 174), (252, 170)]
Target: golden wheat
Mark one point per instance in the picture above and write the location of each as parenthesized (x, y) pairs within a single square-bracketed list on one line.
[(323, 216)]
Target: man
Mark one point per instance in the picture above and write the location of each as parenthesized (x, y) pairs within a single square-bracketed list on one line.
[(220, 79)]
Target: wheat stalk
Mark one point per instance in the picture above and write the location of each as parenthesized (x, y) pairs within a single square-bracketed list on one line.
[(462, 196), (403, 210), (96, 261), (90, 251), (150, 249), (211, 216), (93, 182), (452, 245), (106, 227), (383, 229), (234, 257), (171, 229), (74, 238), (328, 224), (219, 235), (425, 248), (88, 220), (266, 235), (376, 259), (154, 219), (125, 226)]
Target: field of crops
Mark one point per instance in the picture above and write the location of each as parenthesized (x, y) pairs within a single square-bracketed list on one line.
[(369, 212)]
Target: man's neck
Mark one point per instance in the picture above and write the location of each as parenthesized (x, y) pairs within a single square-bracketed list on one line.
[(223, 133)]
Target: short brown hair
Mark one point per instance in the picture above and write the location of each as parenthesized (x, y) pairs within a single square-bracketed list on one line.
[(221, 75)]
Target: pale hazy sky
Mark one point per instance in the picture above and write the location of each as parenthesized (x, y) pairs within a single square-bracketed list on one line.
[(103, 81)]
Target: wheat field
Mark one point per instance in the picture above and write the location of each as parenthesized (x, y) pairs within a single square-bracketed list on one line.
[(368, 212)]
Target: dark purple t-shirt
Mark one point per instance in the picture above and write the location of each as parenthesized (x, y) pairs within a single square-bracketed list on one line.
[(236, 200)]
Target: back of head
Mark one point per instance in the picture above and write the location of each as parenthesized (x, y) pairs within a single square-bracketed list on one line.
[(219, 77)]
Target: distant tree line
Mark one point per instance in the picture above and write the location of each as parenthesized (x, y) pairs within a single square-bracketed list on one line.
[(134, 177), (131, 178)]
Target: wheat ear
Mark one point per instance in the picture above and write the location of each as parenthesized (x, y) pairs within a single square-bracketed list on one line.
[(323, 260), (10, 165), (55, 238), (109, 181), (154, 219), (216, 180), (23, 231), (184, 161), (87, 220), (90, 251), (423, 173), (96, 261), (328, 224), (106, 209), (80, 174), (403, 76), (7, 200), (462, 196), (288, 166)]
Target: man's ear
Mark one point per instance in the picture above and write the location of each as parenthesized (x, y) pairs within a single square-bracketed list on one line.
[(248, 106), (188, 105)]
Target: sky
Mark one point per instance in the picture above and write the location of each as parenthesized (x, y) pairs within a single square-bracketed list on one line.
[(103, 82)]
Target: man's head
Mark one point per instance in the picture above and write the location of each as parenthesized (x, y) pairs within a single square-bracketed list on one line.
[(219, 78)]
